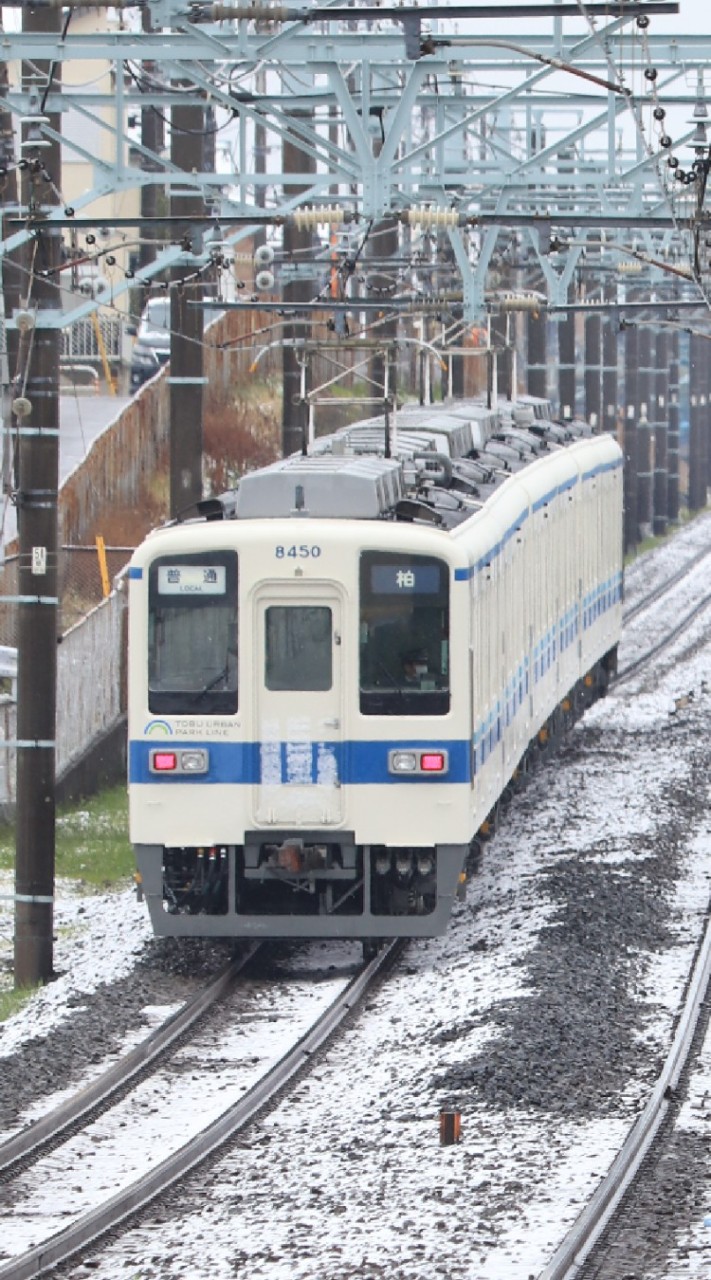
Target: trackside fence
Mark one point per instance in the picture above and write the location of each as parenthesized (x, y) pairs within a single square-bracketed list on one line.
[(91, 684)]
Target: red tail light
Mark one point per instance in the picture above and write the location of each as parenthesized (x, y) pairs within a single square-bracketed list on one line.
[(433, 762), (165, 761)]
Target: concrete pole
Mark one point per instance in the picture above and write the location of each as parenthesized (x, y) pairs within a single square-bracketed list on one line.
[(38, 482), (698, 353), (186, 378), (536, 353), (566, 363), (630, 437), (297, 246), (673, 419), (661, 439), (152, 138), (645, 419), (593, 371), (610, 357)]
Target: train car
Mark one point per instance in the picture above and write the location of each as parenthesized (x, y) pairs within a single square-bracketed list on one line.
[(336, 669)]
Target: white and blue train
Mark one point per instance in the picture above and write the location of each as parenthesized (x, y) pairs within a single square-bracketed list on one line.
[(336, 669)]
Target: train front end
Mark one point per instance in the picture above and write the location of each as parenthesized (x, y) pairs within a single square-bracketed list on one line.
[(299, 756)]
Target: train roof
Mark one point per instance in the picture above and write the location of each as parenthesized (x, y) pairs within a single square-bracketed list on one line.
[(434, 468), (323, 485)]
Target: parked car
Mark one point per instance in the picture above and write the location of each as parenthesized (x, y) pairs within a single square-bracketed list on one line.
[(152, 347)]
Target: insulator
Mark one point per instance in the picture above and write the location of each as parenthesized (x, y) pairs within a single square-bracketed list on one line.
[(24, 321), (264, 255), (519, 302), (264, 281), (327, 216), (422, 217)]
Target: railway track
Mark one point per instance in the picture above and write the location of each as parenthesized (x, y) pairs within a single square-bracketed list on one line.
[(568, 1260), (684, 615), (589, 1248), (662, 588), (128, 1200), (663, 643), (112, 1085)]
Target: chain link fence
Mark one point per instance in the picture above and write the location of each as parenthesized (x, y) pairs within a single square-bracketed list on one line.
[(84, 339), (81, 586)]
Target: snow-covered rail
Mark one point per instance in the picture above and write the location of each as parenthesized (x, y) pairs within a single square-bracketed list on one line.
[(214, 1130), (593, 1219), (113, 1083)]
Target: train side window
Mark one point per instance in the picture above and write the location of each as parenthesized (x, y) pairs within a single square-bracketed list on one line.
[(404, 634), (192, 634), (298, 647)]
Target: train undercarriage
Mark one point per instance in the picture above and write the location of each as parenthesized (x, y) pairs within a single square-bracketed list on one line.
[(296, 886)]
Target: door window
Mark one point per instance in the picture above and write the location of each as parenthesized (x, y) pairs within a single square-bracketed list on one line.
[(298, 647)]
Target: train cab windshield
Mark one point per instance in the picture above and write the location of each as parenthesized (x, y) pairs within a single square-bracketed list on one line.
[(192, 634), (404, 635)]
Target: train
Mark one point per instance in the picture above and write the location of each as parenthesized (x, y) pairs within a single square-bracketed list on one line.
[(337, 669)]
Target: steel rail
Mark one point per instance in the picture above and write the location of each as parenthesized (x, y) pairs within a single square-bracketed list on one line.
[(106, 1217), (589, 1225), (665, 586), (665, 641), (31, 1141)]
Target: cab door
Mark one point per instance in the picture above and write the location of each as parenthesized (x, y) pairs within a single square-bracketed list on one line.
[(298, 713)]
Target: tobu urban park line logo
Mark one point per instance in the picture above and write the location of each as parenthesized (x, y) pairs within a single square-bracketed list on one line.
[(158, 729)]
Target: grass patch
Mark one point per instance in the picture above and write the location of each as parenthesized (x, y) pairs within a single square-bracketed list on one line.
[(12, 1001), (92, 844), (648, 544)]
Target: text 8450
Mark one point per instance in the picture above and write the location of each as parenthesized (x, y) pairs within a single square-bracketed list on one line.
[(302, 552)]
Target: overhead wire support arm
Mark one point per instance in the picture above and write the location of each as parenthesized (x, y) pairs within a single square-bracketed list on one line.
[(372, 13)]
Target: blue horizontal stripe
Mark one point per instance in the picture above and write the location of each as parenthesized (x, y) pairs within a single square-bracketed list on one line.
[(555, 493), (134, 571), (464, 575), (298, 763), (615, 465)]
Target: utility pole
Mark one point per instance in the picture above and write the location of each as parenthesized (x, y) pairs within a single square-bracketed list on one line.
[(610, 340), (593, 371), (645, 393), (37, 408), (661, 436), (566, 360), (152, 138), (631, 532), (297, 246), (673, 444), (11, 270), (698, 354), (186, 378), (537, 338)]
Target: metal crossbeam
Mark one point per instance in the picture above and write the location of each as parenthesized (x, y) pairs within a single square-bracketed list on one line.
[(391, 112)]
